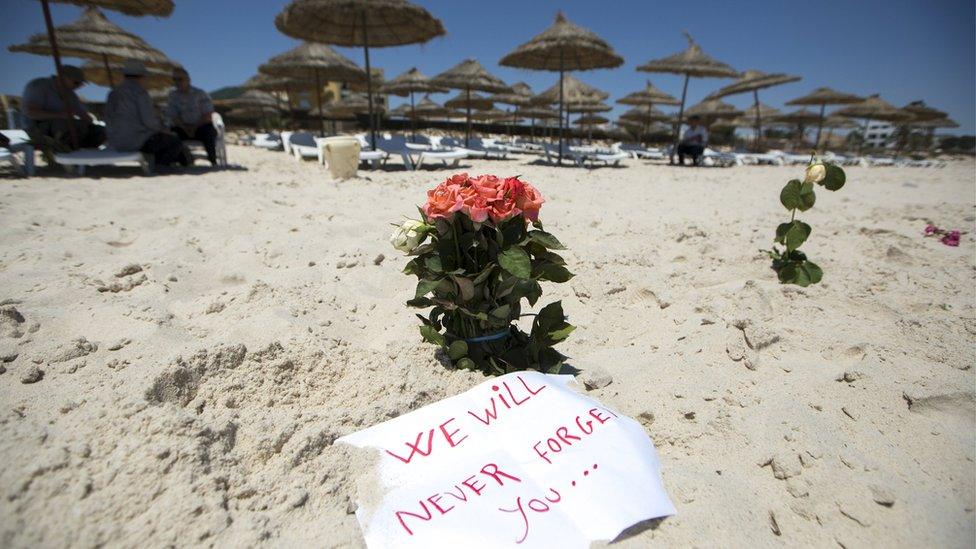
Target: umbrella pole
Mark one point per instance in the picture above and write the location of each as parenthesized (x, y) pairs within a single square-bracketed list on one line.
[(369, 81), (816, 144), (318, 99), (108, 71), (681, 115), (559, 159), (413, 119), (291, 107), (72, 131), (755, 98), (467, 109)]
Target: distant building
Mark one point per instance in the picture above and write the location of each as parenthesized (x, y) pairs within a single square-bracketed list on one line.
[(880, 135)]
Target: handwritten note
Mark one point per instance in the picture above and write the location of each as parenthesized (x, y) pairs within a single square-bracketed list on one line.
[(520, 460)]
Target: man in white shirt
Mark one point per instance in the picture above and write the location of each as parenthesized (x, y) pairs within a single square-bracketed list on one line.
[(693, 141)]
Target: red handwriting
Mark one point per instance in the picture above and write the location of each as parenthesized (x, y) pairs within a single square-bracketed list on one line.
[(442, 505), (492, 411), (415, 448), (535, 504), (563, 437)]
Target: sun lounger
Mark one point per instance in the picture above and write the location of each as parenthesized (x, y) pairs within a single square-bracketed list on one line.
[(268, 141), (19, 143), (221, 147), (285, 146), (713, 158), (638, 152), (83, 158), (412, 159), (303, 145)]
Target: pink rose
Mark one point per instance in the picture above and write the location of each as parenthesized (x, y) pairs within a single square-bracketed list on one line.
[(475, 206), (503, 209), (530, 202), (488, 186), (929, 229), (443, 201)]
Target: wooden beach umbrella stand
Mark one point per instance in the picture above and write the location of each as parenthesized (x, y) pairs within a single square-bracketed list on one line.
[(563, 47), (409, 83), (92, 36), (520, 96), (316, 62), (753, 81), (648, 97), (468, 76), (821, 97), (347, 23), (873, 108), (692, 62)]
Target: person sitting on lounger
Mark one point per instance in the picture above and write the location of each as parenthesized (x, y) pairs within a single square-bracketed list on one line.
[(48, 118), (693, 141), (190, 114), (133, 124)]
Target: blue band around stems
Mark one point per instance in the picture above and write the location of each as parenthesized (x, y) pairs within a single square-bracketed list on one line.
[(490, 337)]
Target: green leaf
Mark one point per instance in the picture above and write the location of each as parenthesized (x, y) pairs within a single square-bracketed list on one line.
[(792, 234), (513, 230), (483, 275), (514, 260), (835, 178), (553, 272), (501, 312), (414, 266), (457, 350), (425, 286), (546, 239), (433, 263), (465, 286), (420, 302), (431, 335), (466, 364), (797, 195), (561, 333), (812, 271)]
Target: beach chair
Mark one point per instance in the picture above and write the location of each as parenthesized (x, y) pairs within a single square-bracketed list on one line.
[(20, 143), (269, 141), (490, 151), (638, 152), (303, 145), (396, 145), (713, 158), (83, 158), (221, 146)]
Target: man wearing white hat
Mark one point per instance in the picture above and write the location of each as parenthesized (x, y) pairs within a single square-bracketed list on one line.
[(47, 116), (132, 122)]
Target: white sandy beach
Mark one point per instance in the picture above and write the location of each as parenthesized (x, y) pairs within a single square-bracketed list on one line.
[(201, 340)]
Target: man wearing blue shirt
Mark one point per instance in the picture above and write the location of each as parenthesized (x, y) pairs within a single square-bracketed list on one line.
[(190, 113)]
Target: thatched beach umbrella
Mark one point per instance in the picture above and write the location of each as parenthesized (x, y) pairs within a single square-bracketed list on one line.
[(712, 109), (535, 112), (253, 99), (96, 73), (93, 36), (563, 47), (937, 123), (409, 83), (468, 76), (315, 62), (752, 81), (428, 108), (873, 108), (800, 118), (276, 84), (352, 23), (520, 96), (645, 116), (822, 97), (690, 62), (922, 112), (647, 98), (471, 101), (135, 8)]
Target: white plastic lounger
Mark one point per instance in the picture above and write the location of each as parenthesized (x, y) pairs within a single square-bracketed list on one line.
[(83, 158), (267, 141), (220, 146), (451, 158), (19, 143), (303, 145)]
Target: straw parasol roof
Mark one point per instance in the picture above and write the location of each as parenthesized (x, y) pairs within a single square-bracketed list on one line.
[(542, 113), (492, 114), (464, 100), (838, 122), (96, 73), (353, 23), (401, 111), (645, 116), (690, 62), (587, 106), (753, 80), (253, 98), (825, 96), (266, 82), (564, 46), (574, 91), (135, 8), (923, 112), (713, 109), (520, 96), (92, 36), (470, 75), (800, 117), (348, 106), (762, 109), (874, 108), (650, 95), (936, 123), (306, 61), (409, 82), (427, 108), (590, 120)]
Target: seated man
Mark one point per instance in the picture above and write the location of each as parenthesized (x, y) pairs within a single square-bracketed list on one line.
[(132, 122), (48, 117), (693, 141), (190, 113)]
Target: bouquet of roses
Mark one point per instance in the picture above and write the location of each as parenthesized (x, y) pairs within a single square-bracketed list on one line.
[(478, 251)]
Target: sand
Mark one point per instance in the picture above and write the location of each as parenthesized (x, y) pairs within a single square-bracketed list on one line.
[(180, 352)]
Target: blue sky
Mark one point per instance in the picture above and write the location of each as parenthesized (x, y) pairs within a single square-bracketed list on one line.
[(904, 50)]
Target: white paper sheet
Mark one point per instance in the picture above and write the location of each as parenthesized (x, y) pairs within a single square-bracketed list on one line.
[(520, 460)]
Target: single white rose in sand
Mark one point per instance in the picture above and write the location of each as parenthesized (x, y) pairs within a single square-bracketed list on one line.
[(815, 173), (408, 236)]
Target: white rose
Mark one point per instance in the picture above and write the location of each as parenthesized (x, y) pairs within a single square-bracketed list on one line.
[(815, 173), (407, 236)]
